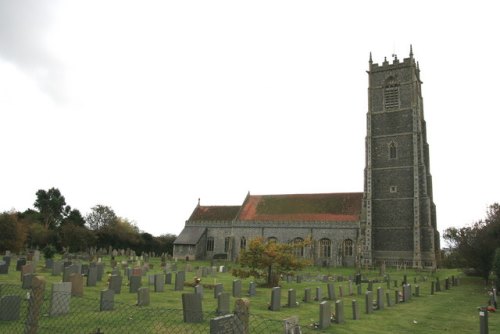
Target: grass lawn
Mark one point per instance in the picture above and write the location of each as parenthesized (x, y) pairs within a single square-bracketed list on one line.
[(453, 310)]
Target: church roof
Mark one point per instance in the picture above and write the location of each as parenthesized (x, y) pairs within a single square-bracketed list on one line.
[(214, 213), (302, 207), (190, 235)]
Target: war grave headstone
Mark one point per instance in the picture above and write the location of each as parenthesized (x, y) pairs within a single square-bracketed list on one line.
[(236, 288), (275, 299), (134, 283), (76, 284), (355, 310), (115, 284), (10, 307), (223, 325), (223, 300), (192, 308), (292, 298), (143, 296), (325, 315), (107, 301), (59, 298), (339, 312), (180, 277), (219, 288)]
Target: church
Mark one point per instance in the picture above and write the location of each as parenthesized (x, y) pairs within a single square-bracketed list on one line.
[(393, 221)]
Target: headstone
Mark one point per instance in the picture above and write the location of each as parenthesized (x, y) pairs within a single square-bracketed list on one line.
[(417, 291), (299, 278), (438, 285), (7, 259), (84, 269), (339, 312), (397, 297), (388, 299), (4, 268), (134, 283), (59, 299), (292, 298), (331, 291), (198, 289), (57, 268), (223, 325), (307, 295), (107, 302), (292, 325), (369, 302), (115, 284), (380, 298), (10, 307), (275, 299), (100, 271), (252, 289), (355, 310), (159, 281), (219, 288), (168, 278), (35, 302), (236, 288), (447, 283), (20, 263), (151, 279), (27, 279), (358, 279), (192, 308), (242, 315), (142, 296), (223, 303), (349, 284), (180, 277), (67, 271), (341, 291), (325, 315), (76, 284), (360, 290), (483, 321), (92, 276), (319, 296), (370, 286), (27, 269)]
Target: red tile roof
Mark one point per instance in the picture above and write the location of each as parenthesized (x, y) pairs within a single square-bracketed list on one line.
[(214, 213), (302, 207)]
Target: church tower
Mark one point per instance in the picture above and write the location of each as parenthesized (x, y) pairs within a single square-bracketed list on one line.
[(399, 225)]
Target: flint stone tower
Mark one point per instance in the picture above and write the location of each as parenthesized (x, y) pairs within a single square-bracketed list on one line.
[(399, 220)]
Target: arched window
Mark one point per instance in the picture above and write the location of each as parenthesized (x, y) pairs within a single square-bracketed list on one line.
[(325, 248), (391, 94), (393, 150), (210, 244), (243, 243), (348, 247), (298, 248), (227, 244), (272, 240)]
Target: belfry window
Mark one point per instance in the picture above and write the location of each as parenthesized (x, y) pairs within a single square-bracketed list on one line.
[(393, 150), (391, 94)]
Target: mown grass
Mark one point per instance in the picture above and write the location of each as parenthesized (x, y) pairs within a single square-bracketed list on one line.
[(453, 310)]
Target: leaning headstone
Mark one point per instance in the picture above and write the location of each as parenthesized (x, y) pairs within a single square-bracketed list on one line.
[(192, 308), (369, 302), (355, 310), (10, 307), (275, 299), (292, 298), (339, 312), (252, 289), (219, 288), (180, 277), (223, 303), (59, 298), (76, 284), (92, 276), (380, 298), (143, 296), (236, 288), (134, 283), (325, 315), (331, 291), (115, 283), (107, 301), (223, 325), (159, 281)]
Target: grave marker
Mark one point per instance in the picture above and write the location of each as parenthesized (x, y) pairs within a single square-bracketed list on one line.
[(192, 308), (143, 296), (275, 299), (10, 307), (325, 315), (292, 298), (339, 312), (223, 303), (107, 302), (59, 298), (223, 325)]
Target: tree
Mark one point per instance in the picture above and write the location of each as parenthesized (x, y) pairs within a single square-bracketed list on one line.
[(52, 207), (270, 259), (74, 218), (13, 235), (100, 216), (496, 267)]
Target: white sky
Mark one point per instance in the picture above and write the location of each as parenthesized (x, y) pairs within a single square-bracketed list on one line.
[(147, 106)]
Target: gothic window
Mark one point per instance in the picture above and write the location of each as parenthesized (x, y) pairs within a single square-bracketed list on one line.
[(227, 244), (272, 240), (391, 94), (243, 243), (325, 248), (348, 245), (210, 244), (298, 249), (393, 150)]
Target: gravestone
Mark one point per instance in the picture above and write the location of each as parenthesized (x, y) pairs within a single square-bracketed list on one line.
[(107, 301), (331, 291), (223, 303), (325, 315), (192, 308), (59, 298), (180, 277), (159, 281), (349, 284), (341, 291), (380, 298), (236, 288), (292, 298), (198, 289), (7, 259), (252, 289), (275, 299), (100, 271), (397, 297), (84, 270), (27, 269), (76, 284), (360, 290), (319, 296), (219, 288), (307, 295), (369, 302), (358, 279), (355, 310), (20, 263), (67, 271), (339, 312), (151, 279), (10, 307), (4, 268), (388, 299), (438, 285), (92, 276), (115, 284), (299, 278), (134, 283), (417, 291), (370, 286), (27, 279), (242, 315), (292, 325), (223, 325), (57, 268), (168, 278), (447, 283), (143, 296)]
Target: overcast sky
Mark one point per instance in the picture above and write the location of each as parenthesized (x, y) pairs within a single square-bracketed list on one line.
[(146, 106)]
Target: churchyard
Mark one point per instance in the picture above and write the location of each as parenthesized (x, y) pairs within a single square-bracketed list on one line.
[(133, 294)]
